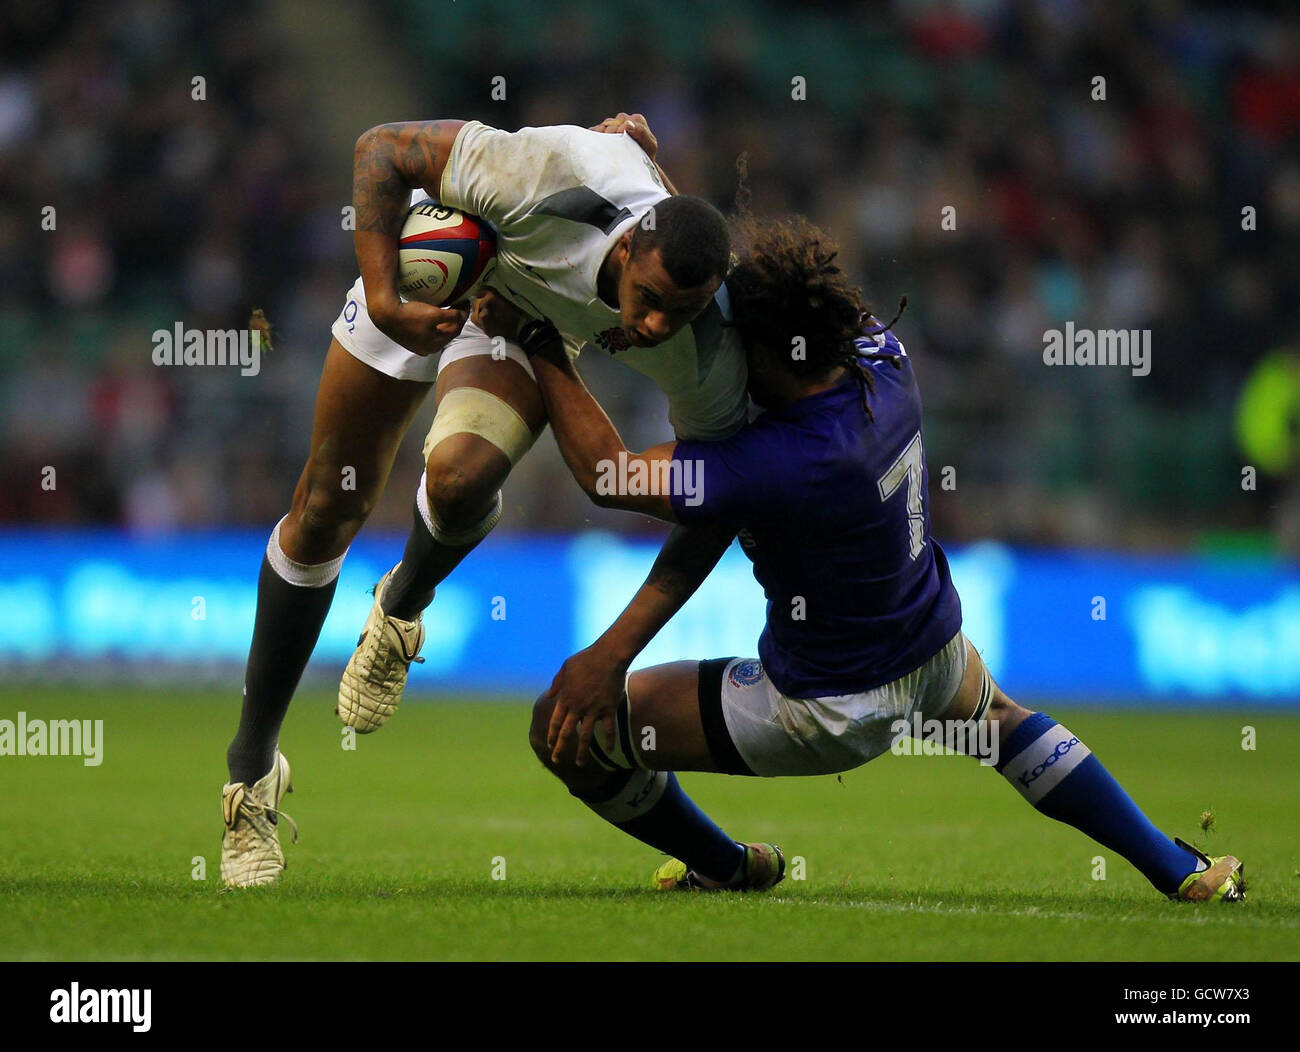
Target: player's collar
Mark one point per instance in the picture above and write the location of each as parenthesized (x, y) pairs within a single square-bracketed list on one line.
[(723, 298), (813, 403)]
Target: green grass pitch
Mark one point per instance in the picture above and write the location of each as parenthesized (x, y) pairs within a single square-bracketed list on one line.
[(908, 858)]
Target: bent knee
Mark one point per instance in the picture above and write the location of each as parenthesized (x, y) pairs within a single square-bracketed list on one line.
[(537, 731), (326, 513), (462, 480), (1002, 709)]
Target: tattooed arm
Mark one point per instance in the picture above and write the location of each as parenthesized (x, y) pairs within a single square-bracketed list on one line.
[(390, 161)]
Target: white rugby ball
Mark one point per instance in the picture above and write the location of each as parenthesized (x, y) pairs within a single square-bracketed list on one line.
[(443, 254)]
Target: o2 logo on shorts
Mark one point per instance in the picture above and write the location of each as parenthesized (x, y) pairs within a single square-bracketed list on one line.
[(746, 673)]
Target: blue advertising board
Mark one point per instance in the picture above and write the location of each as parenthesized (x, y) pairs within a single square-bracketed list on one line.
[(1086, 626)]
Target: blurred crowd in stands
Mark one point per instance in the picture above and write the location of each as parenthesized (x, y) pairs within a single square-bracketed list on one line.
[(1121, 166)]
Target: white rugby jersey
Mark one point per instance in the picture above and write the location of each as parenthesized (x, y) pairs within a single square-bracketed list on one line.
[(559, 198)]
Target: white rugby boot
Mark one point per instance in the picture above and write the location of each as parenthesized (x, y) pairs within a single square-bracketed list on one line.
[(375, 676), (250, 846)]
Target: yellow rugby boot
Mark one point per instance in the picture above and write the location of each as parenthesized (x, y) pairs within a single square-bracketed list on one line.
[(1222, 880), (764, 868)]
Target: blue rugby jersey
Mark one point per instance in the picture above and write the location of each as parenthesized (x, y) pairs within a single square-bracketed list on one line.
[(833, 511)]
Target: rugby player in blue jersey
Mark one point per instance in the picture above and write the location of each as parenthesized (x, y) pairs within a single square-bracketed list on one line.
[(828, 491)]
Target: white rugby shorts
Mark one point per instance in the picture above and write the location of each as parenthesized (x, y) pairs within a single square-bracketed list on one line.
[(752, 728), (358, 336)]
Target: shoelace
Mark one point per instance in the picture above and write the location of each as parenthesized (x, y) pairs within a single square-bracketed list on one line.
[(254, 808)]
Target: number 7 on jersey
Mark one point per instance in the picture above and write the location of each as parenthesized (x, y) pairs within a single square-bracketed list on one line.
[(908, 468)]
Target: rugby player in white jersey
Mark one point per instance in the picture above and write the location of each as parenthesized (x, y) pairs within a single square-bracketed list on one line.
[(589, 237)]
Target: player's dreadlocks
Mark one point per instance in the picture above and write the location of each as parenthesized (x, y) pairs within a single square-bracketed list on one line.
[(792, 302)]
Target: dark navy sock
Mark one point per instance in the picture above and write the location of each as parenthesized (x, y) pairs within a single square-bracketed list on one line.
[(1058, 774), (285, 629), (430, 556), (653, 807)]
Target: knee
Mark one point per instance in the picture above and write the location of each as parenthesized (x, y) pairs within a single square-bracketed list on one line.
[(576, 779), (325, 509), (542, 709), (326, 512), (460, 494), (1005, 713)]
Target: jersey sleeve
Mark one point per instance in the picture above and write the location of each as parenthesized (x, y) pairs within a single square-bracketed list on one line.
[(734, 481), (572, 346), (716, 406), (710, 413), (501, 176)]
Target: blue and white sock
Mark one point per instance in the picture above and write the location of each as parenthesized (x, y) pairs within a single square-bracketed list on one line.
[(653, 807), (1061, 777)]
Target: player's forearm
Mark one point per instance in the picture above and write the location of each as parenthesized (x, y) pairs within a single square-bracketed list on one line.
[(586, 436), (688, 557), (389, 162), (380, 191)]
